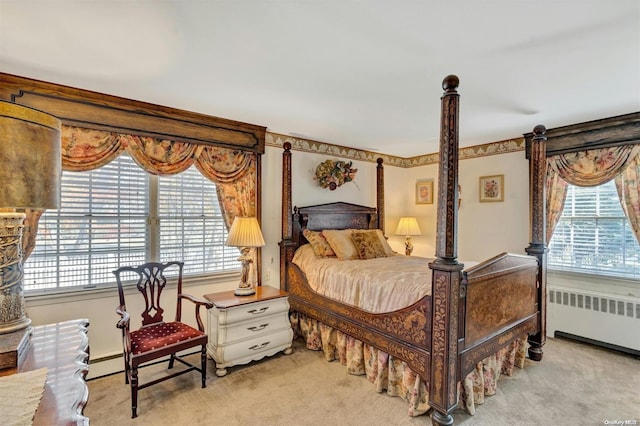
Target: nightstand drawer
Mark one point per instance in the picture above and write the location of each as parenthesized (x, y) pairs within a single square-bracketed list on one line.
[(250, 329), (251, 311), (252, 348)]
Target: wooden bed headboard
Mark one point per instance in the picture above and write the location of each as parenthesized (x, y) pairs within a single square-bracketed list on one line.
[(332, 216)]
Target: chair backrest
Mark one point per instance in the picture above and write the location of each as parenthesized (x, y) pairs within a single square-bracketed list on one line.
[(150, 281)]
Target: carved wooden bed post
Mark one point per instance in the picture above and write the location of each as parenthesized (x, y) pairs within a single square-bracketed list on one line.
[(286, 245), (443, 380), (380, 193), (537, 247)]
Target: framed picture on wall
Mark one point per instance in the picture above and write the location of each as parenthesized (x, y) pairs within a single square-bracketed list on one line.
[(491, 188), (424, 192)]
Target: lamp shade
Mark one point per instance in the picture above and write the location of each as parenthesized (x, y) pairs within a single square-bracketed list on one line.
[(408, 226), (245, 232), (30, 158)]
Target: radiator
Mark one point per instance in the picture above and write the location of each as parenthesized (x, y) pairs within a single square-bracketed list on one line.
[(608, 319)]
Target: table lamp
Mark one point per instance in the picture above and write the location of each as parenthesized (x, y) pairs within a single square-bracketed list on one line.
[(30, 171), (408, 226), (245, 233)]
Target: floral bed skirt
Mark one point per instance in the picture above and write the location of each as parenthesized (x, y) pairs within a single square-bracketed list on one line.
[(395, 377)]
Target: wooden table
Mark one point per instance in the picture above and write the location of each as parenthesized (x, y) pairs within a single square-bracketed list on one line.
[(64, 349)]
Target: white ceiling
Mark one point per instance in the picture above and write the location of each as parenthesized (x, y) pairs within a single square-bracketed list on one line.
[(364, 74)]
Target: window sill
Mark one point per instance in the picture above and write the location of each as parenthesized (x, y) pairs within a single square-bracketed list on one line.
[(62, 296), (594, 282), (592, 277)]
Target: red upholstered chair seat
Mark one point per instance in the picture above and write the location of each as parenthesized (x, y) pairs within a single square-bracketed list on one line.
[(158, 336)]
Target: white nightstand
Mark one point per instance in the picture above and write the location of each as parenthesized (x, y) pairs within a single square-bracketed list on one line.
[(242, 329)]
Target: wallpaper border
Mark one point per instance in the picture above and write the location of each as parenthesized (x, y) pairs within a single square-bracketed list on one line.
[(493, 148)]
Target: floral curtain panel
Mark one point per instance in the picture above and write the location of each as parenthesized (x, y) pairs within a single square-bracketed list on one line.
[(233, 171), (556, 188), (590, 168), (627, 184)]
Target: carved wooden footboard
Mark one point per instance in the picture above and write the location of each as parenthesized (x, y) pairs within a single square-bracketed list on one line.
[(405, 334), (498, 304)]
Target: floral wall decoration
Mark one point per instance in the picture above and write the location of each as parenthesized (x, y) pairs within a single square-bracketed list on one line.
[(491, 188), (334, 173)]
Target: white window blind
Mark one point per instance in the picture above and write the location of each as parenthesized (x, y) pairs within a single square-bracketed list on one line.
[(594, 235), (113, 216), (191, 224)]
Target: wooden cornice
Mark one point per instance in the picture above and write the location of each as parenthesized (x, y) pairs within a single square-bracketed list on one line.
[(84, 108), (607, 132)]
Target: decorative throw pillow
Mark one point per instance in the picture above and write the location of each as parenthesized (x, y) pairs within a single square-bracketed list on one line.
[(319, 243), (341, 243), (368, 245), (388, 251), (385, 245)]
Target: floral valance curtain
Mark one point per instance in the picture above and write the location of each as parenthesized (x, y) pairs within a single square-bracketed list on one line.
[(590, 168), (233, 171)]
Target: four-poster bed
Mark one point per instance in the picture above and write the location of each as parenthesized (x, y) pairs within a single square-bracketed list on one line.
[(467, 315)]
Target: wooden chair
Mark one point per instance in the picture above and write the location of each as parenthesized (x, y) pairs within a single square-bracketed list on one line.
[(157, 339)]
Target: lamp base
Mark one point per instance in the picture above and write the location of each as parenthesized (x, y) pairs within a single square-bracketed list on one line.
[(15, 325), (244, 288), (408, 246), (244, 291), (12, 311)]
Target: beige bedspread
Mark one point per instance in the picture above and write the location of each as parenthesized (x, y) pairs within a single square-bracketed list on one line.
[(378, 285)]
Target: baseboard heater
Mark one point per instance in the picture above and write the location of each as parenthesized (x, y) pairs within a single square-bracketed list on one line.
[(607, 320)]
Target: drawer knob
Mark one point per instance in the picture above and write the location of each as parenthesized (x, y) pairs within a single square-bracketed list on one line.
[(258, 311), (259, 327), (260, 346)]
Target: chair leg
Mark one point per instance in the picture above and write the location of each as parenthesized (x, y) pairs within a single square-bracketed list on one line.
[(203, 365), (126, 369), (134, 392), (172, 358)]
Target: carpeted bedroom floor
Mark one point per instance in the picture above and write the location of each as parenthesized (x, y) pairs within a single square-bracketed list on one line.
[(575, 384)]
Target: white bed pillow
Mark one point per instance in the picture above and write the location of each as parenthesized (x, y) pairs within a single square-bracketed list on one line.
[(341, 243)]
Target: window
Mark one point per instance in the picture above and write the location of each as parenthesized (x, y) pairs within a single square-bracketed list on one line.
[(119, 215), (594, 235), (191, 225)]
